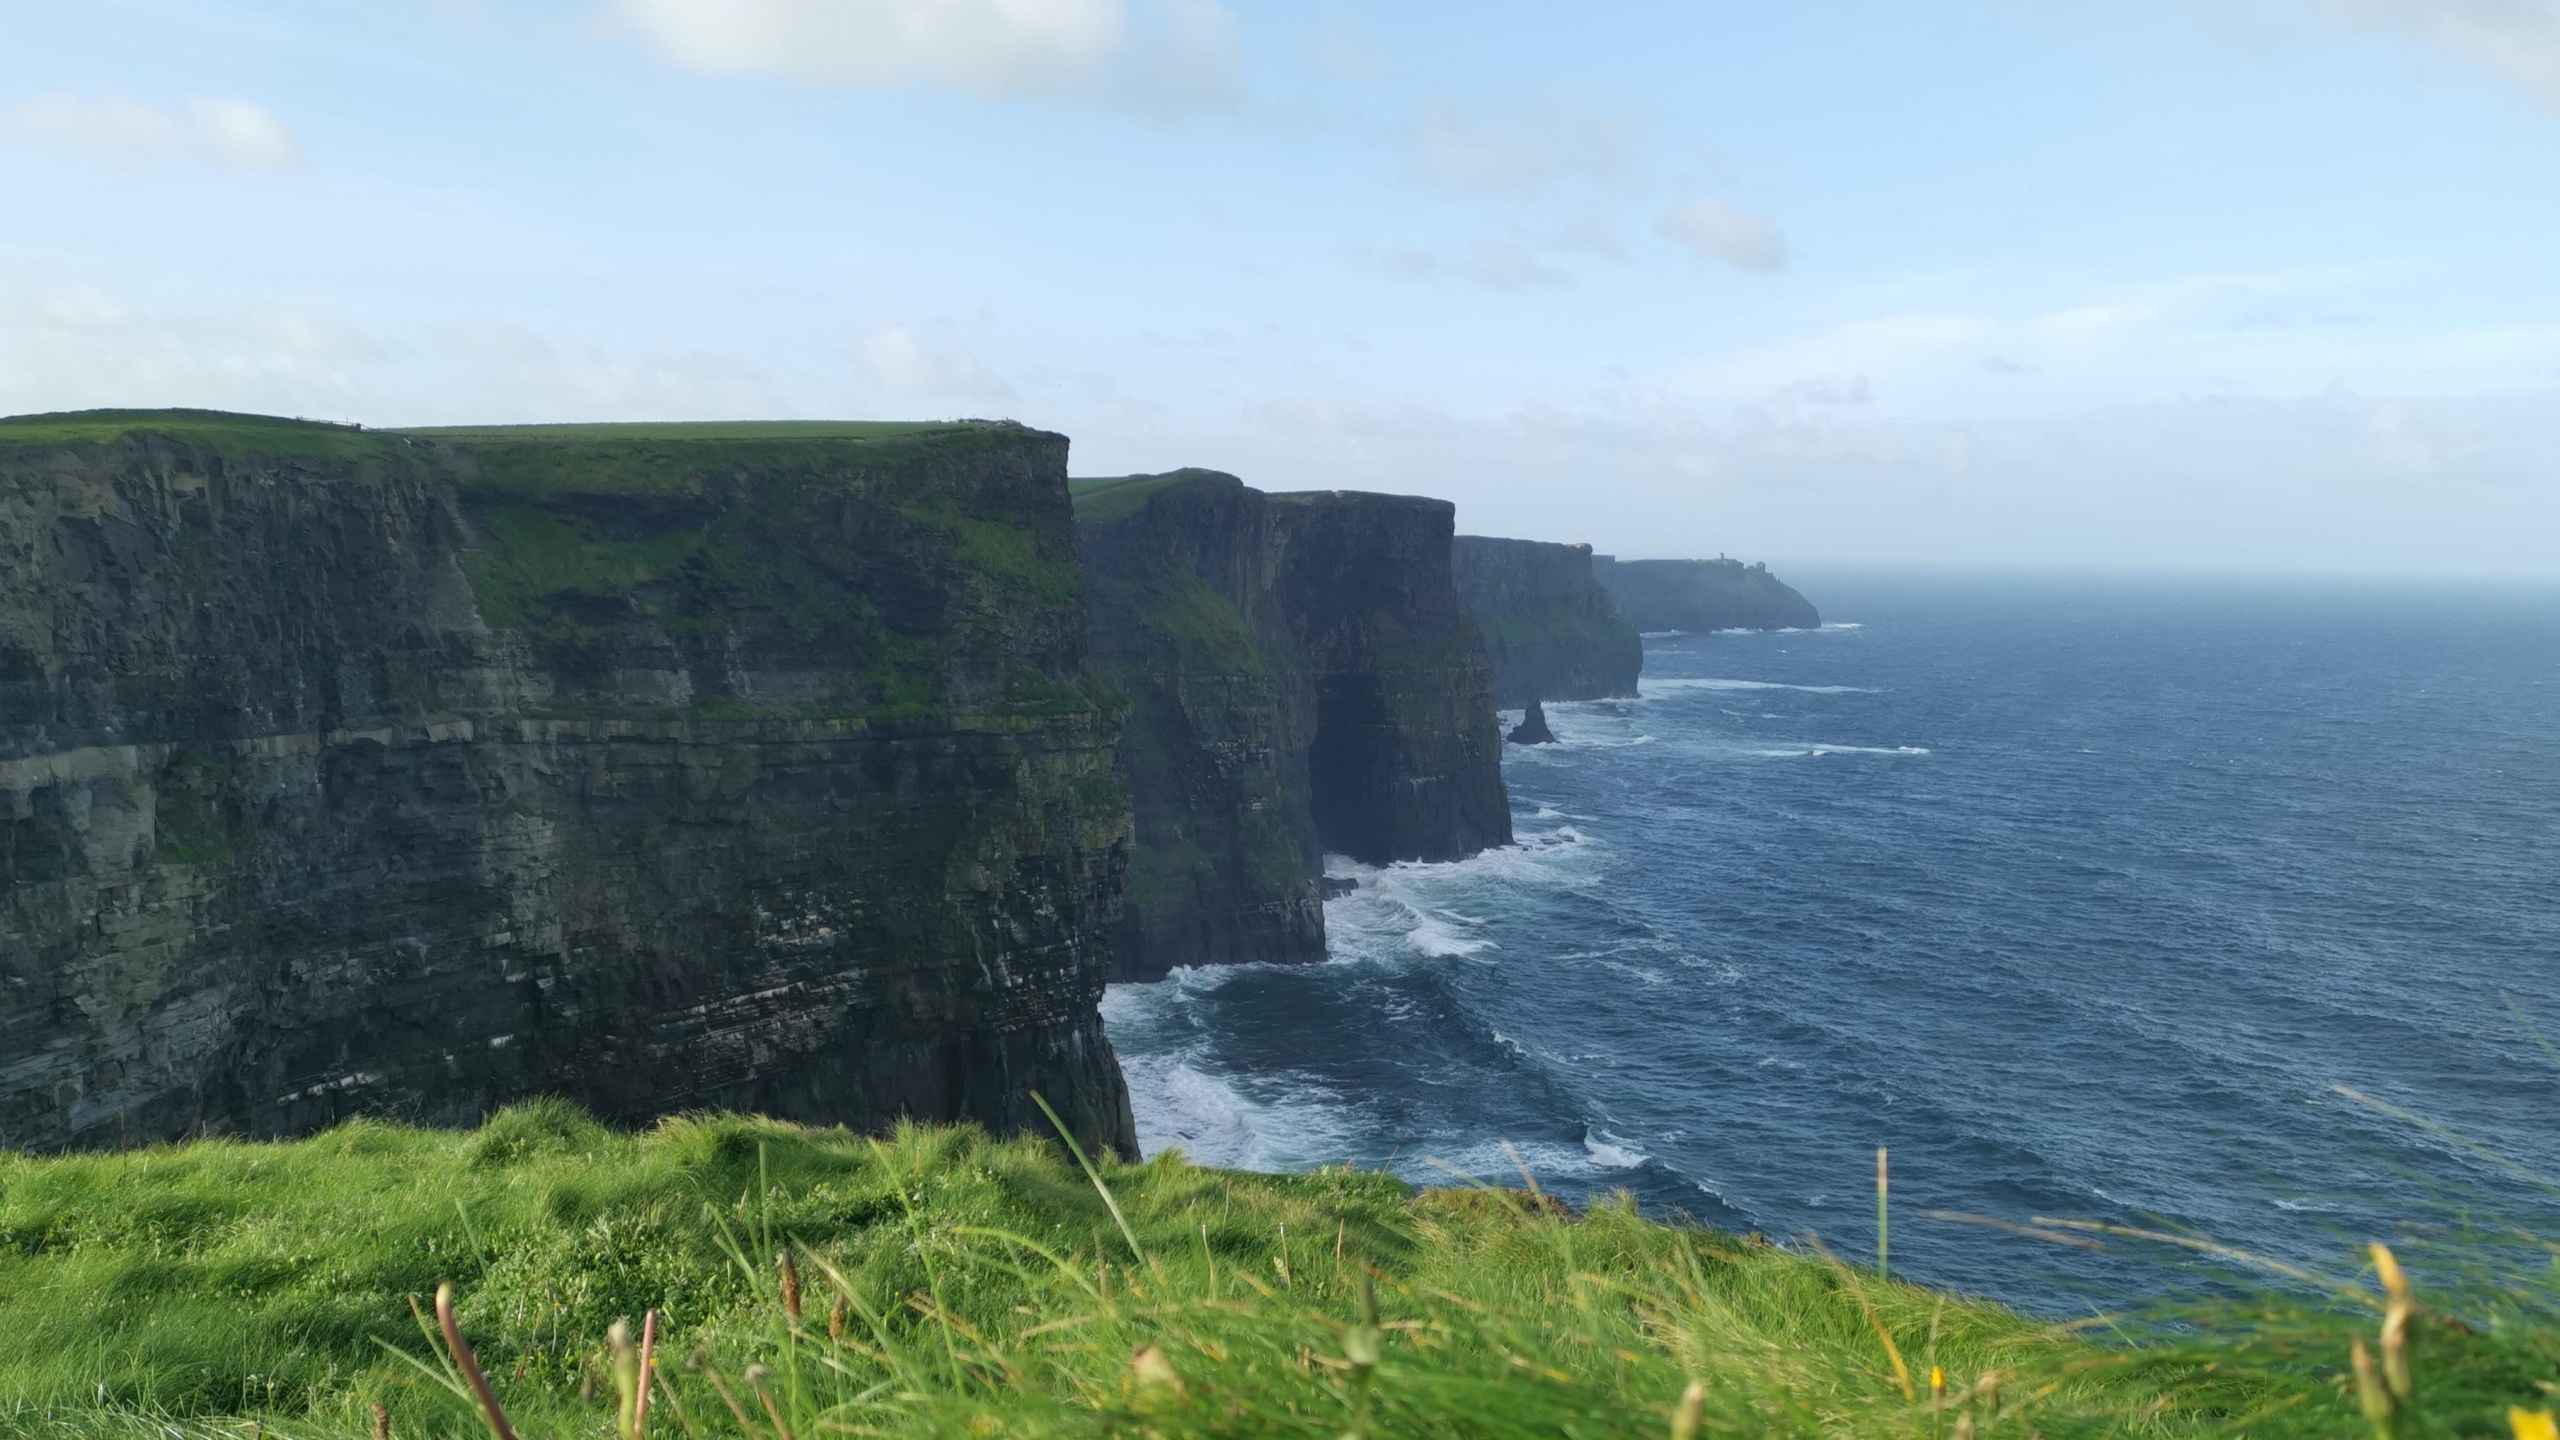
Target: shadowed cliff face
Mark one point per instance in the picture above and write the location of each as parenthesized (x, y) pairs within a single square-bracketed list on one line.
[(1300, 679), (1407, 759), (1550, 630), (352, 773), (1702, 595), (1182, 596)]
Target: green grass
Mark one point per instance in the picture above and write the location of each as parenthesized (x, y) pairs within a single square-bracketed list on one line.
[(246, 435), (725, 430), (1116, 497), (957, 1285)]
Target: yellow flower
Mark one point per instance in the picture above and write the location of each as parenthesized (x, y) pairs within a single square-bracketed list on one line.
[(2532, 1424), (1937, 1381)]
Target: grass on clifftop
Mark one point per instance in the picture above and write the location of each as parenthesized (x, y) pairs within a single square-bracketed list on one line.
[(940, 1283), (1116, 497), (221, 430)]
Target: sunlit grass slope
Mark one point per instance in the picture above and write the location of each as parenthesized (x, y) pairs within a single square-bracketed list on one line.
[(943, 1283)]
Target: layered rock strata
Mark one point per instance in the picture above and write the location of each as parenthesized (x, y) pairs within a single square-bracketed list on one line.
[(1701, 595), (1550, 629), (657, 767), (1300, 679)]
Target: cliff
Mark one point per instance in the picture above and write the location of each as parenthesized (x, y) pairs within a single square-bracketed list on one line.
[(1300, 679), (1699, 595), (659, 767), (1182, 601), (1550, 629), (1407, 758)]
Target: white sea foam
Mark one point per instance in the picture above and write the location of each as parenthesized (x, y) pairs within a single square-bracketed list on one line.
[(1410, 912), (1612, 1152), (1489, 1162), (1661, 634), (1284, 1123), (1673, 684), (1816, 750)]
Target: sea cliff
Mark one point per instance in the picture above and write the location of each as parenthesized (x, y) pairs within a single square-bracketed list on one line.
[(1301, 679), (661, 768), (1700, 595), (1550, 629)]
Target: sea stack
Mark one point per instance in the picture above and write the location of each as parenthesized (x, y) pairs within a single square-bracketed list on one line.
[(1532, 729)]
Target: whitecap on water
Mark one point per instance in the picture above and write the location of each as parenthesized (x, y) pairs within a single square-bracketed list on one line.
[(1291, 1124), (1816, 748), (1675, 683), (1612, 1152)]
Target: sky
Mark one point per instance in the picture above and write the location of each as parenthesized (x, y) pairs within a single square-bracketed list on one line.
[(2209, 285)]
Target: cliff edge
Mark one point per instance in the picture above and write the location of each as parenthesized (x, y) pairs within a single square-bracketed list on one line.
[(1301, 680), (658, 767), (1550, 628), (1702, 595)]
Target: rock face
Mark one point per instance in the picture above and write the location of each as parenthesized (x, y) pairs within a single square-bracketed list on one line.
[(1300, 679), (1700, 595), (1532, 729), (1407, 759), (1550, 629), (656, 767), (1182, 600)]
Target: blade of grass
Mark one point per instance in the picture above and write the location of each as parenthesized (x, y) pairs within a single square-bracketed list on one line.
[(1136, 1249)]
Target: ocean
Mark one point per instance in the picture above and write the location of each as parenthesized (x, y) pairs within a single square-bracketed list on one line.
[(2084, 897)]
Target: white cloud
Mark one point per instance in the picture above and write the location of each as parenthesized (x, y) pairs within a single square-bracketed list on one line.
[(2180, 336), (204, 129), (1178, 55), (1494, 264), (1829, 390), (2516, 40), (1719, 231), (1527, 151), (898, 360), (70, 346)]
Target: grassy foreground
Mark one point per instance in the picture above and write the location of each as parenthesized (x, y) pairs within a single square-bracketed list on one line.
[(943, 1283)]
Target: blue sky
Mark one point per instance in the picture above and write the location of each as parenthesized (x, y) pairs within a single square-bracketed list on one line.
[(2213, 284)]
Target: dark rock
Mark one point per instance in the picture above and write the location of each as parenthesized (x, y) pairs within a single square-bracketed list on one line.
[(1550, 629), (1702, 595), (1407, 759), (1300, 679), (1532, 729), (1182, 602), (408, 776)]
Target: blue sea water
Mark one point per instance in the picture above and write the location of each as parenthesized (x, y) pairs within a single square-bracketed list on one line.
[(2082, 896)]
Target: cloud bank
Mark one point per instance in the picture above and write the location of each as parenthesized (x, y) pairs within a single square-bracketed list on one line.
[(2516, 40), (1175, 56), (1711, 228), (204, 129)]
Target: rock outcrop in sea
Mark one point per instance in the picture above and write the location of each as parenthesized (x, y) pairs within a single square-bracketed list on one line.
[(663, 767), (1532, 729), (1550, 629), (1702, 595), (1300, 679)]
